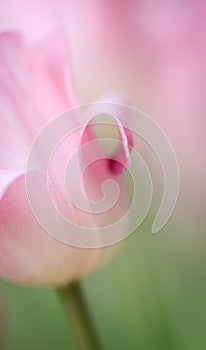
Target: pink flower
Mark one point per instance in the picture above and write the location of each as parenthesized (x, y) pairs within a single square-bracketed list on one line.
[(35, 87)]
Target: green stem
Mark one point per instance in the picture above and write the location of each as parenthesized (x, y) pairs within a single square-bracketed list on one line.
[(77, 309)]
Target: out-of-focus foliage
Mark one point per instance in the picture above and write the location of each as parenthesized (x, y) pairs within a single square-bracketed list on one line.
[(150, 297)]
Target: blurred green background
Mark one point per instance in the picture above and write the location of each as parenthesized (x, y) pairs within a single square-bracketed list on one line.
[(150, 296)]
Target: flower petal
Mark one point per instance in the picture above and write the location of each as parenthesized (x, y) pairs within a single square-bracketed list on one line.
[(30, 255), (6, 178), (32, 91)]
